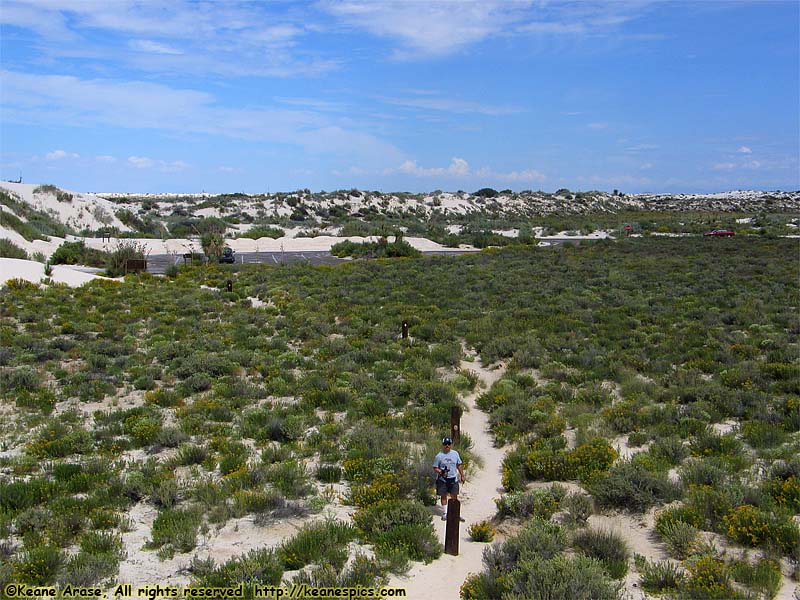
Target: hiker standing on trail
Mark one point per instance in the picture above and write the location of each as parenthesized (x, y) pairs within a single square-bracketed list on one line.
[(446, 464)]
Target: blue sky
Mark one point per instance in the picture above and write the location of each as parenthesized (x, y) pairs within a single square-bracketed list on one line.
[(186, 96)]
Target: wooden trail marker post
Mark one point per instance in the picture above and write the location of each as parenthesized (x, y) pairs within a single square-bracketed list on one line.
[(451, 529), (405, 330), (455, 424), (230, 285)]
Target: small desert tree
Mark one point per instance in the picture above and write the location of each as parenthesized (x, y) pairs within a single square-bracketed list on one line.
[(125, 250), (213, 244)]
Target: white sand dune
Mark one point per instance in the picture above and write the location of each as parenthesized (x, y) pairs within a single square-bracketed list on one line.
[(30, 270)]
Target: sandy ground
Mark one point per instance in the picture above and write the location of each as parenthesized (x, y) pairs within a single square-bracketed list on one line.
[(29, 270), (442, 578)]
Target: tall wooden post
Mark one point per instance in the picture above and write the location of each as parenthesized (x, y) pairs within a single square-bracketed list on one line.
[(405, 330), (451, 530), (455, 424), (230, 285)]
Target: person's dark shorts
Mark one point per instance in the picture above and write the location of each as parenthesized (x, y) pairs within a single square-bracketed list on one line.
[(446, 486)]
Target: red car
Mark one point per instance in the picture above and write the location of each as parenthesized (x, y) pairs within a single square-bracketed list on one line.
[(720, 233)]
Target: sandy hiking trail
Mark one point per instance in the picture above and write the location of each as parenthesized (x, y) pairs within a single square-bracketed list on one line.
[(442, 578)]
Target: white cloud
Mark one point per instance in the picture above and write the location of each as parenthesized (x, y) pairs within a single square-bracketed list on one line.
[(60, 154), (728, 166), (57, 99), (460, 168), (105, 159), (745, 150), (141, 162), (601, 125), (229, 169), (153, 47), (452, 106), (429, 28), (646, 166)]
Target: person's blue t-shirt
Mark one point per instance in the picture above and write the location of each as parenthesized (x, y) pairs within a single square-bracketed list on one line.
[(449, 460)]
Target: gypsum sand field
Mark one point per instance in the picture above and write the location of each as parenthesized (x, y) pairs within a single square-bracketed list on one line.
[(321, 371)]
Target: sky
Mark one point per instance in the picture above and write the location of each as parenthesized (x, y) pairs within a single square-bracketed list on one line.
[(225, 96)]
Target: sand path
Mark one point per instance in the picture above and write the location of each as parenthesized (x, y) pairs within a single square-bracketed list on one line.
[(442, 578)]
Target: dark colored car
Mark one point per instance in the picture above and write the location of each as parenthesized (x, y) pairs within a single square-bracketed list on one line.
[(227, 256), (720, 233)]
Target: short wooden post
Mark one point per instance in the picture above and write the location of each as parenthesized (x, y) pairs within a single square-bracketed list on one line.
[(405, 330), (230, 285), (451, 529), (455, 424)]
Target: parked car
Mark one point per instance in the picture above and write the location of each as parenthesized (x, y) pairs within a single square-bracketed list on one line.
[(720, 233), (227, 256)]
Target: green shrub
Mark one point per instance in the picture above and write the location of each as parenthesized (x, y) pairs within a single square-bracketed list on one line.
[(175, 530), (658, 577), (329, 473), (559, 578), (608, 547), (482, 531), (84, 570), (291, 478), (764, 577), (10, 250), (38, 565), (578, 508), (538, 503), (538, 538), (379, 517), (77, 253), (124, 251), (752, 526), (630, 486), (679, 537), (707, 579), (260, 566), (416, 541), (316, 543)]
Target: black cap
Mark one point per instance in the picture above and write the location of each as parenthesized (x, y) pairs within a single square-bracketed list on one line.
[(447, 442)]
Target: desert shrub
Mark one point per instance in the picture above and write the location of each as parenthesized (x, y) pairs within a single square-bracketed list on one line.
[(9, 249), (291, 478), (538, 538), (670, 449), (707, 579), (382, 488), (630, 486), (94, 542), (752, 526), (382, 516), (702, 472), (318, 542), (361, 572), (18, 380), (84, 569), (380, 249), (124, 251), (262, 232), (482, 531), (763, 435), (591, 458), (637, 439), (77, 253), (608, 547), (559, 578), (763, 577), (577, 508), (175, 530), (415, 541), (261, 566), (191, 454), (329, 473), (785, 492), (658, 577), (58, 439), (38, 565), (679, 537), (540, 503)]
